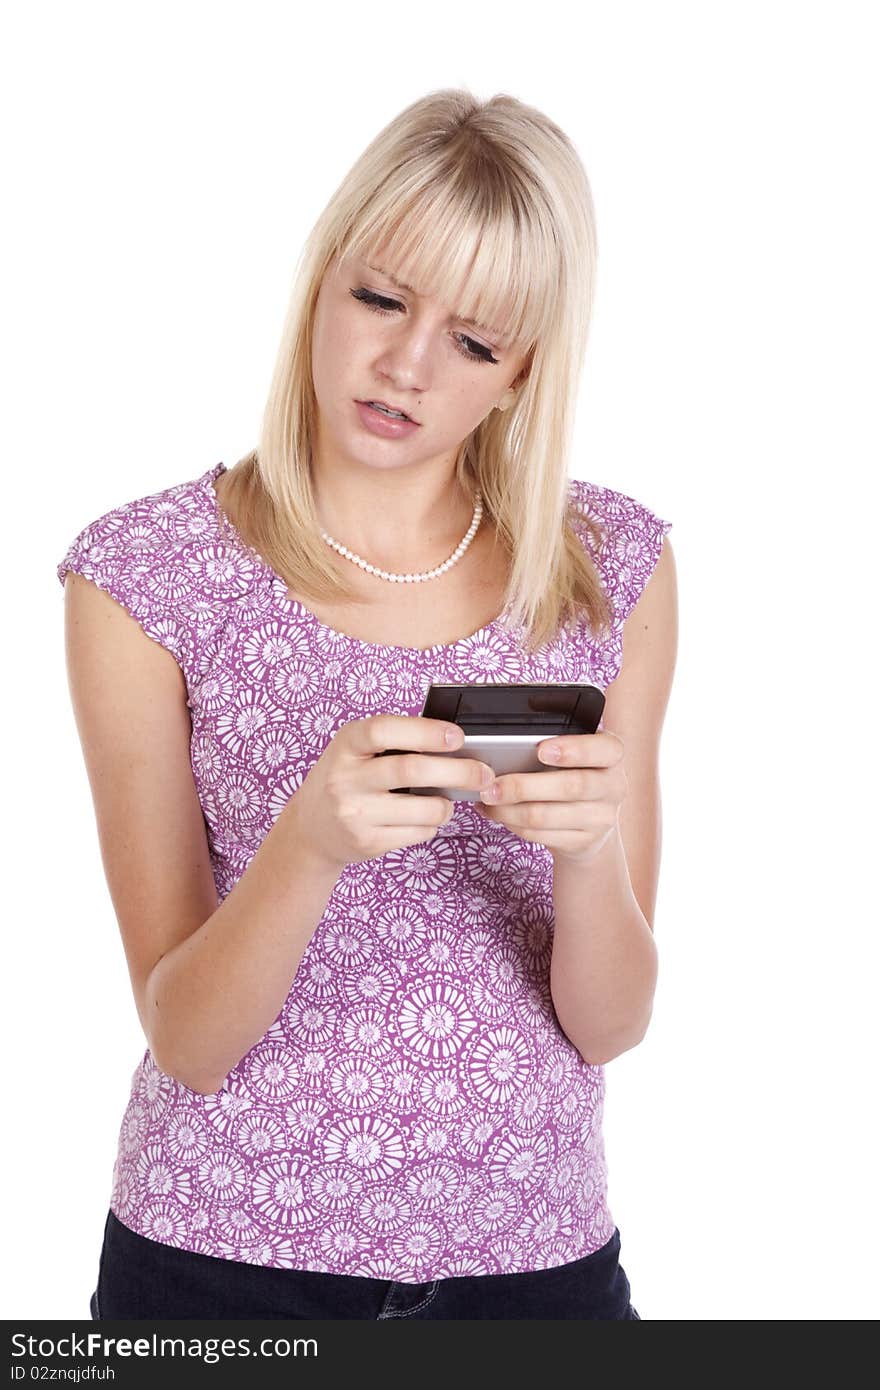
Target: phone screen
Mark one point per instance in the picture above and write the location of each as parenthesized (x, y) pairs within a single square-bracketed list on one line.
[(542, 710)]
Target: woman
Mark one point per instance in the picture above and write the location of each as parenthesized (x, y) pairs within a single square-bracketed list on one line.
[(377, 1023)]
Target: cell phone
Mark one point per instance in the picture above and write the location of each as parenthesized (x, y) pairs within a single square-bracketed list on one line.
[(503, 724)]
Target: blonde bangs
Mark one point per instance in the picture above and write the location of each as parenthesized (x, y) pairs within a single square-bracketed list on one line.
[(483, 257)]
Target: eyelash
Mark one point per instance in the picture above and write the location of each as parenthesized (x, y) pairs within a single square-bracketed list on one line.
[(377, 303)]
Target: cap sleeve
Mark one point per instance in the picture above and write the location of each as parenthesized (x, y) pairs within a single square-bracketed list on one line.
[(632, 541), (635, 550), (130, 553)]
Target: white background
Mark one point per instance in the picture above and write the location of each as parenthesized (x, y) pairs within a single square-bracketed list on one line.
[(162, 166)]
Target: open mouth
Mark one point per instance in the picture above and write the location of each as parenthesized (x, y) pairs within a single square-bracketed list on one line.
[(388, 411)]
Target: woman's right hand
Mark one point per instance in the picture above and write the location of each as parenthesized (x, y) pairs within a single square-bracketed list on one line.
[(345, 809)]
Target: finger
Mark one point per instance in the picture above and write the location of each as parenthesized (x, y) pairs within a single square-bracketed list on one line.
[(401, 810), (565, 785), (407, 769), (543, 816), (380, 733), (601, 749)]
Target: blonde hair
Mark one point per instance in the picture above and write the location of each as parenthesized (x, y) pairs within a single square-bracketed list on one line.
[(487, 206)]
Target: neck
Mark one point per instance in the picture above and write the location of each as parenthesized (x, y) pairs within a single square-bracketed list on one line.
[(397, 523)]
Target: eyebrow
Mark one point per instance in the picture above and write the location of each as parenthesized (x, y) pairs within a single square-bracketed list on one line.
[(473, 323)]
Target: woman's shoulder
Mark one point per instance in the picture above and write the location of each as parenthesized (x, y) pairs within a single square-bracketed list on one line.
[(624, 542), (151, 554), (137, 532), (612, 508)]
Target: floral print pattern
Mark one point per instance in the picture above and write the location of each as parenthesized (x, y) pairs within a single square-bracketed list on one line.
[(415, 1111)]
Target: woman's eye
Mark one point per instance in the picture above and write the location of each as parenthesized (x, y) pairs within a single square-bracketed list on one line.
[(381, 304)]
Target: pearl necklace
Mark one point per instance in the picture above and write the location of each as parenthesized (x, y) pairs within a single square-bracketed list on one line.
[(415, 578)]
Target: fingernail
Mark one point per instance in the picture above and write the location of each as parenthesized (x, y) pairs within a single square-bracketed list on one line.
[(453, 736), (552, 753)]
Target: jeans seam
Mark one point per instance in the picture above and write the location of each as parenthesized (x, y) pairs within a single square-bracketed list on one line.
[(101, 1265), (408, 1312)]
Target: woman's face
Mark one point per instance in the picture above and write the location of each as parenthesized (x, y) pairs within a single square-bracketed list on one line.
[(375, 341)]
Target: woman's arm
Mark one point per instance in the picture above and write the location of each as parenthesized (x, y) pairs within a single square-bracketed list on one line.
[(604, 965), (208, 980), (213, 997)]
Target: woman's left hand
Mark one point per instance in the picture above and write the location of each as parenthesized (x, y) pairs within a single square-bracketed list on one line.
[(573, 808)]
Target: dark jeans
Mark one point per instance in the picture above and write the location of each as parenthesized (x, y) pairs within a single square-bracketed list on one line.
[(141, 1278)]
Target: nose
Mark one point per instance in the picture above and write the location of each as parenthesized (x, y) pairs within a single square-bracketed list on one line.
[(407, 359)]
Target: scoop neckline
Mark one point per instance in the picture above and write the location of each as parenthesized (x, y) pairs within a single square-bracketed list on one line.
[(279, 587)]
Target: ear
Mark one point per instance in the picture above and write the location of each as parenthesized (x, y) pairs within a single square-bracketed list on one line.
[(523, 373)]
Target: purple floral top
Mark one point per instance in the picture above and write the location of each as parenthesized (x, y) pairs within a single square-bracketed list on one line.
[(415, 1111)]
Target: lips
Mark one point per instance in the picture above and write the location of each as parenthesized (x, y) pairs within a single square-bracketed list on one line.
[(374, 400)]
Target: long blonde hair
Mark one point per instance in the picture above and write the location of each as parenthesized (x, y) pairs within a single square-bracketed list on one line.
[(487, 206)]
